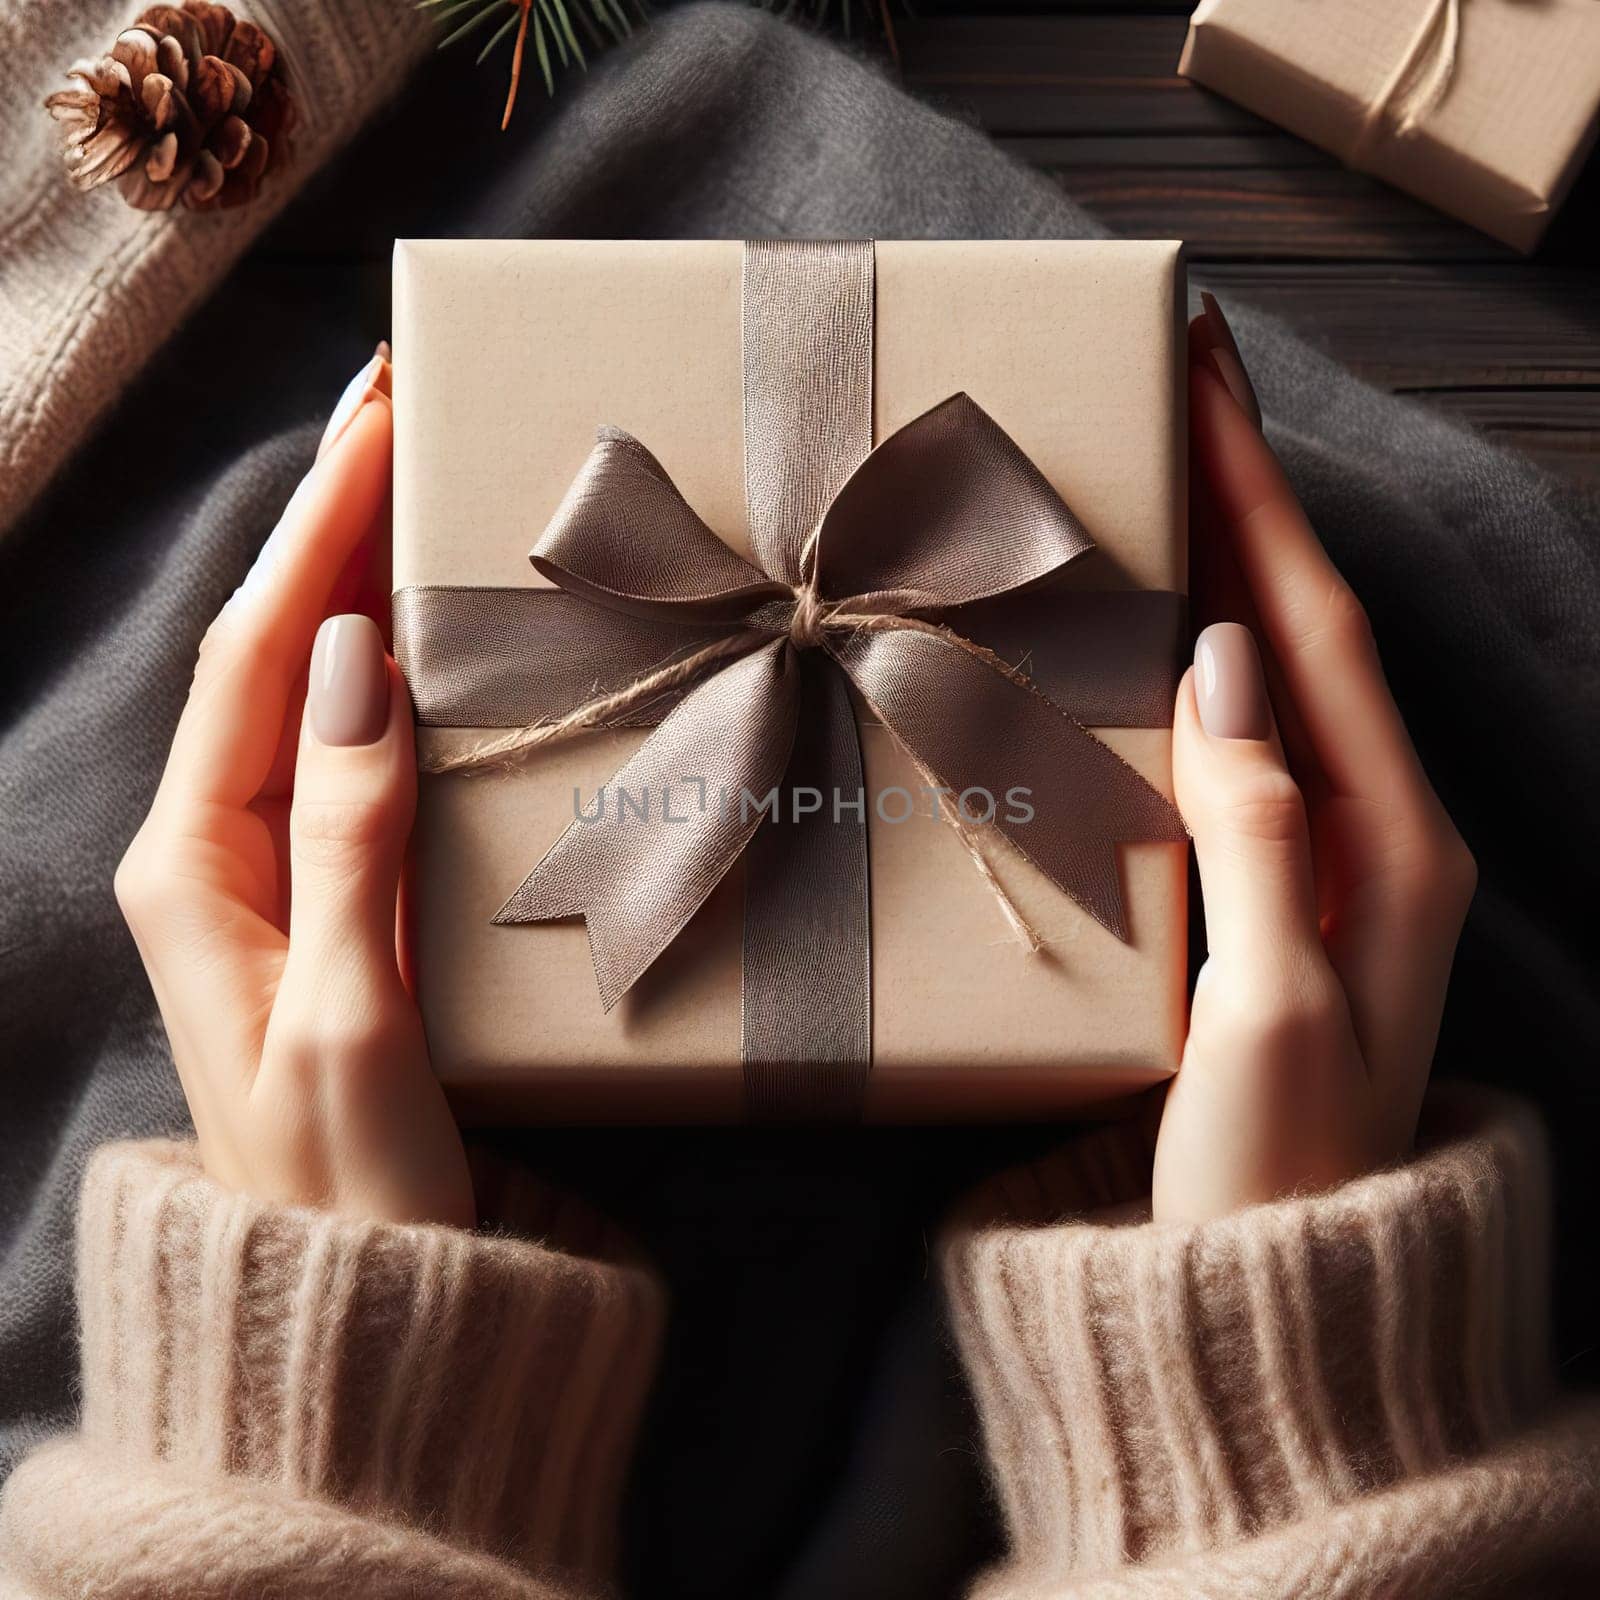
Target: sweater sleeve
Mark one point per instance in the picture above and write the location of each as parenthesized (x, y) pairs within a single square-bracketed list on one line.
[(1339, 1395), (279, 1401)]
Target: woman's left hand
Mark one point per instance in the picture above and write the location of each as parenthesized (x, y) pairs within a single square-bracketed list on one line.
[(1335, 885)]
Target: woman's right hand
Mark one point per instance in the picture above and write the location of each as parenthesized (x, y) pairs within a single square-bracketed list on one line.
[(261, 889)]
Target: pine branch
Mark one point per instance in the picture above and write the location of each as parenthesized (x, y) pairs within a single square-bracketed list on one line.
[(549, 21), (606, 22)]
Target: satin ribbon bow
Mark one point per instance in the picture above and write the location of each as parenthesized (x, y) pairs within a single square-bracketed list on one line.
[(945, 514)]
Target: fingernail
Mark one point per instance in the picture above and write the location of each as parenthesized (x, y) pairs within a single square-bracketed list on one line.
[(1226, 361), (348, 695), (350, 401), (383, 378), (1229, 687)]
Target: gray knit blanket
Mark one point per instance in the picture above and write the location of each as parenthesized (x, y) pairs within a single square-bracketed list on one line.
[(808, 1438)]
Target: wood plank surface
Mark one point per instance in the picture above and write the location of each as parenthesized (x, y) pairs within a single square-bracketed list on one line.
[(1412, 299), (1297, 212)]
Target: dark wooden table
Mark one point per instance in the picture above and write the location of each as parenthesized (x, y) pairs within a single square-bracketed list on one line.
[(1414, 301)]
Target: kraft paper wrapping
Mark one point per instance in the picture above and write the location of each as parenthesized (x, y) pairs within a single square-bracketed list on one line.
[(1499, 151), (507, 358)]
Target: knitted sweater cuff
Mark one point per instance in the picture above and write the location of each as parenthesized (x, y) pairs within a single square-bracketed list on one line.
[(1152, 1389), (481, 1388)]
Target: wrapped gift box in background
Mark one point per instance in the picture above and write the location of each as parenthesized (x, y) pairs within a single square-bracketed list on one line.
[(1484, 108), (508, 357)]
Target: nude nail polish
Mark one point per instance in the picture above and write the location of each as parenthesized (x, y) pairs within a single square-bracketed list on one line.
[(348, 403), (1229, 687), (1226, 361), (347, 698)]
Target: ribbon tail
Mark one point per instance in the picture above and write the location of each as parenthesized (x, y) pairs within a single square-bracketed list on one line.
[(684, 807), (807, 921), (974, 728)]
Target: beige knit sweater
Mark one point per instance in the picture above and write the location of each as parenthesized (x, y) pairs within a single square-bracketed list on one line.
[(90, 288), (1345, 1395)]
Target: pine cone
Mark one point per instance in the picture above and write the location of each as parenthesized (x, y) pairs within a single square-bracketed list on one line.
[(190, 103)]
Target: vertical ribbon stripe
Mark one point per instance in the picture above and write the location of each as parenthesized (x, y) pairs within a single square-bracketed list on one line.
[(807, 322), (807, 922), (807, 1009)]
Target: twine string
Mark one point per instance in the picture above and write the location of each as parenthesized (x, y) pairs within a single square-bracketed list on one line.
[(1418, 82), (505, 750), (812, 617)]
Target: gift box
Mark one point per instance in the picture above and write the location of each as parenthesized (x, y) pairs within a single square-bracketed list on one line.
[(1484, 108), (896, 518)]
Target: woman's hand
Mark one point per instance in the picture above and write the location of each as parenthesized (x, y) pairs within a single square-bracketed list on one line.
[(1335, 885), (261, 889)]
